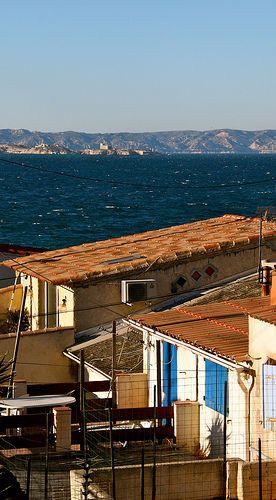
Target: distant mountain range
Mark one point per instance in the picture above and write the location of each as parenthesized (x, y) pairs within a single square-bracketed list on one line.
[(183, 141)]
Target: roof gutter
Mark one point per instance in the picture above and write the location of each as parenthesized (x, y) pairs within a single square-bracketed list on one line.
[(231, 365)]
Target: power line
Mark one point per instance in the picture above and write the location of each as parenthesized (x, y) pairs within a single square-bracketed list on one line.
[(137, 185)]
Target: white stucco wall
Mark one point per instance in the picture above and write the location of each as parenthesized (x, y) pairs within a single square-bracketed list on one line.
[(211, 422)]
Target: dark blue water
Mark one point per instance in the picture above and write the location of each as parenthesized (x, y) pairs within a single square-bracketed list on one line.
[(47, 210)]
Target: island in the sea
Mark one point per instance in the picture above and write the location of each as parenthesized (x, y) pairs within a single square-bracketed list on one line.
[(106, 149), (54, 149)]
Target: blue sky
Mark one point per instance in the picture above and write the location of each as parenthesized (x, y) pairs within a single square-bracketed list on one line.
[(137, 66)]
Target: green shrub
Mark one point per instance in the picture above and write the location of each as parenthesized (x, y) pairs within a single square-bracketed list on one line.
[(12, 318)]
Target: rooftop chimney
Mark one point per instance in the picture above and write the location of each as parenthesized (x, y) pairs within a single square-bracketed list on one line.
[(266, 272), (273, 289)]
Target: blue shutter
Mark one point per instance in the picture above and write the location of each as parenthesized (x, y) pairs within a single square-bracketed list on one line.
[(215, 378), (269, 396), (222, 377), (169, 373), (173, 373), (210, 384)]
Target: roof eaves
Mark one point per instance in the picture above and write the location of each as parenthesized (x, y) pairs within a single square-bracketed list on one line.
[(212, 354)]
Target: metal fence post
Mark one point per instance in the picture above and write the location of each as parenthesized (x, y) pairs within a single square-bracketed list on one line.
[(154, 449), (112, 454), (260, 471), (28, 479), (225, 438), (143, 474), (46, 456)]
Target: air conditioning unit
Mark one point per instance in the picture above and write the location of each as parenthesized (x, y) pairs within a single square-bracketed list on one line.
[(137, 290)]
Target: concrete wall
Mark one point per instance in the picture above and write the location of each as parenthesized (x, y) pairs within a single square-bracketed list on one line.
[(248, 481), (201, 480), (132, 390), (101, 302), (40, 358)]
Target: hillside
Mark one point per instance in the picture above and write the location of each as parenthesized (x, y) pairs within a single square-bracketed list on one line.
[(186, 141)]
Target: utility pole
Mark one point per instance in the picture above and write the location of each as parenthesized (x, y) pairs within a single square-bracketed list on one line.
[(16, 347), (114, 364)]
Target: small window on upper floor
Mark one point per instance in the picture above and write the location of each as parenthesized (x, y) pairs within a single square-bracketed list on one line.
[(209, 271), (181, 281), (196, 275)]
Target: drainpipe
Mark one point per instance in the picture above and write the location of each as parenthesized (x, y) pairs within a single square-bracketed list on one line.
[(247, 391)]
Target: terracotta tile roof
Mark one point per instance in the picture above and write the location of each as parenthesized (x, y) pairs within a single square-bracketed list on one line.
[(121, 256), (261, 309), (19, 250), (219, 328)]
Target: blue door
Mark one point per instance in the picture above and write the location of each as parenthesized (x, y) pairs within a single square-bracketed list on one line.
[(169, 373)]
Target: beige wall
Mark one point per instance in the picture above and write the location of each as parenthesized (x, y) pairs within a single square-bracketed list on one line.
[(5, 300), (262, 345), (101, 302), (132, 390), (40, 358)]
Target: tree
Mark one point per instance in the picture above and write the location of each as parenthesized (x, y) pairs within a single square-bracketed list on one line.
[(12, 319), (4, 366)]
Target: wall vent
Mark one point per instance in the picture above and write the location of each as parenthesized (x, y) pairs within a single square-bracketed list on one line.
[(137, 290)]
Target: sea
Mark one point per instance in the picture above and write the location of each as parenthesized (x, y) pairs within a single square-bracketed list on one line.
[(57, 201)]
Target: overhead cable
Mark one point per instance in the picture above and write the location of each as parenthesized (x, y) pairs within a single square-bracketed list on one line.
[(137, 185)]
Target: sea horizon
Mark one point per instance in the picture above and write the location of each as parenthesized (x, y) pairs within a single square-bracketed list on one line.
[(57, 201)]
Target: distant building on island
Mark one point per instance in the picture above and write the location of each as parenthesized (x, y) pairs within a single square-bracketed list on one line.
[(107, 149)]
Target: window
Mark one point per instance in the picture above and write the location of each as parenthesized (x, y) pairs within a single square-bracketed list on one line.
[(209, 271), (47, 301), (215, 378), (181, 281), (196, 275), (269, 396)]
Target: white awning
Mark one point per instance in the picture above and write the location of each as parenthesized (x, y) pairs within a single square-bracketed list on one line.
[(36, 401)]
